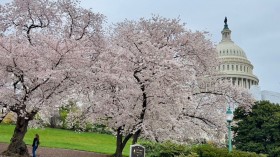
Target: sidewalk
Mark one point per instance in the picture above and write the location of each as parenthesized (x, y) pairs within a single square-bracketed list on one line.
[(55, 152)]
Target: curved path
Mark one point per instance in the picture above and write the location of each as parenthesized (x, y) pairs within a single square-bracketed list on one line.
[(56, 152)]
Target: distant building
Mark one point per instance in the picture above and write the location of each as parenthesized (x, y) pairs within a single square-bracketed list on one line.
[(236, 67), (259, 94)]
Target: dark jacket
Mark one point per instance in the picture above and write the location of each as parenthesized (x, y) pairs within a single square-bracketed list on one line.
[(36, 142)]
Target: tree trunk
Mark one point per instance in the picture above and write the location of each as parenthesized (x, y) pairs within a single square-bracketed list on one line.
[(121, 143), (136, 136), (17, 147), (119, 148)]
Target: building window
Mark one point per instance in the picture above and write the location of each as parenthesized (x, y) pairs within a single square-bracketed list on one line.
[(232, 67), (240, 67), (236, 67), (227, 67), (223, 67)]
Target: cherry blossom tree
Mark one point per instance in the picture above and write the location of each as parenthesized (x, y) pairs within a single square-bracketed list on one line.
[(46, 48), (150, 78)]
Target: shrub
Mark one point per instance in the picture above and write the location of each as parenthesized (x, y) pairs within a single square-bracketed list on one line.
[(169, 149), (98, 128), (165, 149), (274, 152), (211, 151)]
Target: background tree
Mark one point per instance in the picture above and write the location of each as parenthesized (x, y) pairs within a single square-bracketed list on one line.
[(45, 48), (64, 110), (259, 129)]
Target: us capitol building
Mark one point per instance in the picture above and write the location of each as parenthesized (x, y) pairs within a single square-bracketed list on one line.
[(236, 67)]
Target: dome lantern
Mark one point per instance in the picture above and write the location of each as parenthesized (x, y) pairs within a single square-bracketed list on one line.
[(226, 32)]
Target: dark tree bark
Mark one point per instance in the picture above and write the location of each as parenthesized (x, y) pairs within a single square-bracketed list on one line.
[(120, 142), (136, 136), (17, 147), (119, 148), (144, 105)]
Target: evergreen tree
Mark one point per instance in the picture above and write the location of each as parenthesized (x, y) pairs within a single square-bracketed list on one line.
[(259, 129)]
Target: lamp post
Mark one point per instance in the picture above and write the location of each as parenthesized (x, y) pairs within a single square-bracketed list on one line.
[(229, 120)]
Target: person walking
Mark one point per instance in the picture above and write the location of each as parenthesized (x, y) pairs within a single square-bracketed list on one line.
[(35, 145)]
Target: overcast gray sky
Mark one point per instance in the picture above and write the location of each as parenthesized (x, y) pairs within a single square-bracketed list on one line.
[(255, 25)]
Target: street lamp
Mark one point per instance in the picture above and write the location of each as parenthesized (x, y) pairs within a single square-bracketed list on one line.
[(229, 120)]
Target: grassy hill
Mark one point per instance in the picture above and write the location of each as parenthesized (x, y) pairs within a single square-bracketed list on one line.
[(58, 138)]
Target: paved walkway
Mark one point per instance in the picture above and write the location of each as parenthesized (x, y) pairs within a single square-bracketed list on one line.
[(54, 152)]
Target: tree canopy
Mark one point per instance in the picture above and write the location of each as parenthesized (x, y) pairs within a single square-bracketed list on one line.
[(152, 76), (45, 46), (149, 83), (259, 129)]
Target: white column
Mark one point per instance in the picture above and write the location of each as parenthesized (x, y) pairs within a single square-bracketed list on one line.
[(249, 81)]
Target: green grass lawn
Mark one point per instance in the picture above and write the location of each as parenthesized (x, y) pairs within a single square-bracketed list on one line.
[(58, 138)]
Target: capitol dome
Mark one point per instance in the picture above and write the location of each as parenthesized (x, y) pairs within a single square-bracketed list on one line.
[(234, 63)]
